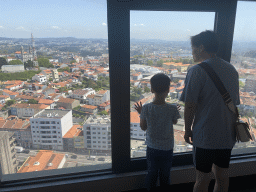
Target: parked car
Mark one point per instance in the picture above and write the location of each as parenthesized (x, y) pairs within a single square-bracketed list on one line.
[(73, 157), (26, 151), (92, 158), (101, 159)]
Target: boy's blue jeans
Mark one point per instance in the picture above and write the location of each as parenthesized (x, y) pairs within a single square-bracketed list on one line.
[(159, 162)]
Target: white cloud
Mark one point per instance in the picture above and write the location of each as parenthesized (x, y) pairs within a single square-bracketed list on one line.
[(20, 28), (55, 27), (135, 24), (187, 30), (142, 25), (104, 24), (1, 27)]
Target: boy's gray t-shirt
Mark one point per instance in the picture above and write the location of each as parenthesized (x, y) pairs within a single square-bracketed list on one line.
[(159, 133), (213, 126)]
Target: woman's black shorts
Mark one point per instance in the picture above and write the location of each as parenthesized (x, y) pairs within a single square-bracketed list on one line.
[(204, 158)]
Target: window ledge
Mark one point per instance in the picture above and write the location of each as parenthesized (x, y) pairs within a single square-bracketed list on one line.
[(131, 181)]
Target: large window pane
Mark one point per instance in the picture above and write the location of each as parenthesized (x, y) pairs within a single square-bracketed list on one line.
[(160, 42), (244, 58), (55, 83)]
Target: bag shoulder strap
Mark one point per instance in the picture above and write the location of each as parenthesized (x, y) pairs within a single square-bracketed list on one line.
[(220, 86)]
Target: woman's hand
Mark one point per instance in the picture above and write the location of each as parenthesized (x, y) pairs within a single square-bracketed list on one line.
[(138, 107)]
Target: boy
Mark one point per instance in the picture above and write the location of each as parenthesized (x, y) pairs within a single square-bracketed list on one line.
[(158, 118)]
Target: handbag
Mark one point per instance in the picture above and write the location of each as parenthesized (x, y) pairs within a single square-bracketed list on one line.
[(241, 127)]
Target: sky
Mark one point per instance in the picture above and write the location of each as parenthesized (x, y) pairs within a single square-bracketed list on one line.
[(88, 19)]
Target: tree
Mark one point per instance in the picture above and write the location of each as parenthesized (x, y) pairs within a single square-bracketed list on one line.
[(160, 63), (44, 62), (28, 64), (15, 62), (3, 62), (150, 62), (10, 102), (146, 89), (32, 101), (73, 61), (64, 69), (103, 113)]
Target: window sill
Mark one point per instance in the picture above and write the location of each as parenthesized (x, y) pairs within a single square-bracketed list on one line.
[(131, 181)]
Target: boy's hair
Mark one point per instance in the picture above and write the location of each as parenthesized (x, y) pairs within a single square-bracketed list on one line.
[(160, 82), (208, 39)]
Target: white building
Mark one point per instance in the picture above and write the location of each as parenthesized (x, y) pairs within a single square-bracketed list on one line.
[(49, 126), (136, 131), (97, 133), (81, 94), (12, 68), (39, 77)]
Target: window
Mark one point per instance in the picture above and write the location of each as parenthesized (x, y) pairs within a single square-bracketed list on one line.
[(243, 59), (152, 51), (117, 50)]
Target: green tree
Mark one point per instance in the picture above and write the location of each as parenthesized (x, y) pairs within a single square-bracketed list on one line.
[(32, 101), (64, 69), (28, 64), (160, 63), (103, 113), (10, 102), (73, 61), (44, 62), (3, 62), (241, 84), (15, 62), (146, 89), (150, 62)]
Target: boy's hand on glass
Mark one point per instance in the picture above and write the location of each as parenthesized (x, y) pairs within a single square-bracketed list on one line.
[(138, 107)]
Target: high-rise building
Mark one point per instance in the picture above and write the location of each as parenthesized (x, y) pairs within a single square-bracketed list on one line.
[(8, 159), (48, 128)]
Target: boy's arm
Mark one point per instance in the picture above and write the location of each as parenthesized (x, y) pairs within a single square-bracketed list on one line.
[(143, 124)]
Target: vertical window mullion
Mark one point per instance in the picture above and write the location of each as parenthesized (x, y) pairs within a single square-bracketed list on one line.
[(119, 70)]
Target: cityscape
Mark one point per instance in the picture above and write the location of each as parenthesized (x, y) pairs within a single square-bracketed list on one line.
[(55, 99), (55, 109)]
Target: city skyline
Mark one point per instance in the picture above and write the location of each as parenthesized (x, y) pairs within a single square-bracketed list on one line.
[(88, 19)]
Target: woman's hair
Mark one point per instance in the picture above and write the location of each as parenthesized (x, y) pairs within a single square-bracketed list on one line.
[(160, 82), (208, 39)]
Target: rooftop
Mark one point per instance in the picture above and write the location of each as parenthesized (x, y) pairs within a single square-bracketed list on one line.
[(51, 113)]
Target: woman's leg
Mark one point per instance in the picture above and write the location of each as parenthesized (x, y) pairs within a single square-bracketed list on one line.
[(151, 178)]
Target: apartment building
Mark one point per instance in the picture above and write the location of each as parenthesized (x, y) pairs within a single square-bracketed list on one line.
[(97, 133), (73, 139), (67, 103), (20, 128), (136, 131), (101, 97), (81, 94), (23, 110), (250, 85), (7, 153), (48, 128), (41, 78)]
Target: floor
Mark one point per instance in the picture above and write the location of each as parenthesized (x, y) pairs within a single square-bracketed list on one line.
[(236, 184)]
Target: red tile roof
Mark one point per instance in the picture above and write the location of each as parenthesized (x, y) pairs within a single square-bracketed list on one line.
[(73, 131)]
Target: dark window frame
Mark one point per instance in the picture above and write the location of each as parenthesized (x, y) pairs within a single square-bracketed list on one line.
[(119, 56)]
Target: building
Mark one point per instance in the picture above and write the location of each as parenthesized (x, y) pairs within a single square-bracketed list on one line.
[(97, 133), (27, 110), (73, 139), (48, 128), (41, 78), (67, 103), (8, 158), (89, 109), (13, 68), (20, 128), (101, 96), (136, 131), (51, 74), (250, 85), (81, 94), (44, 160)]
